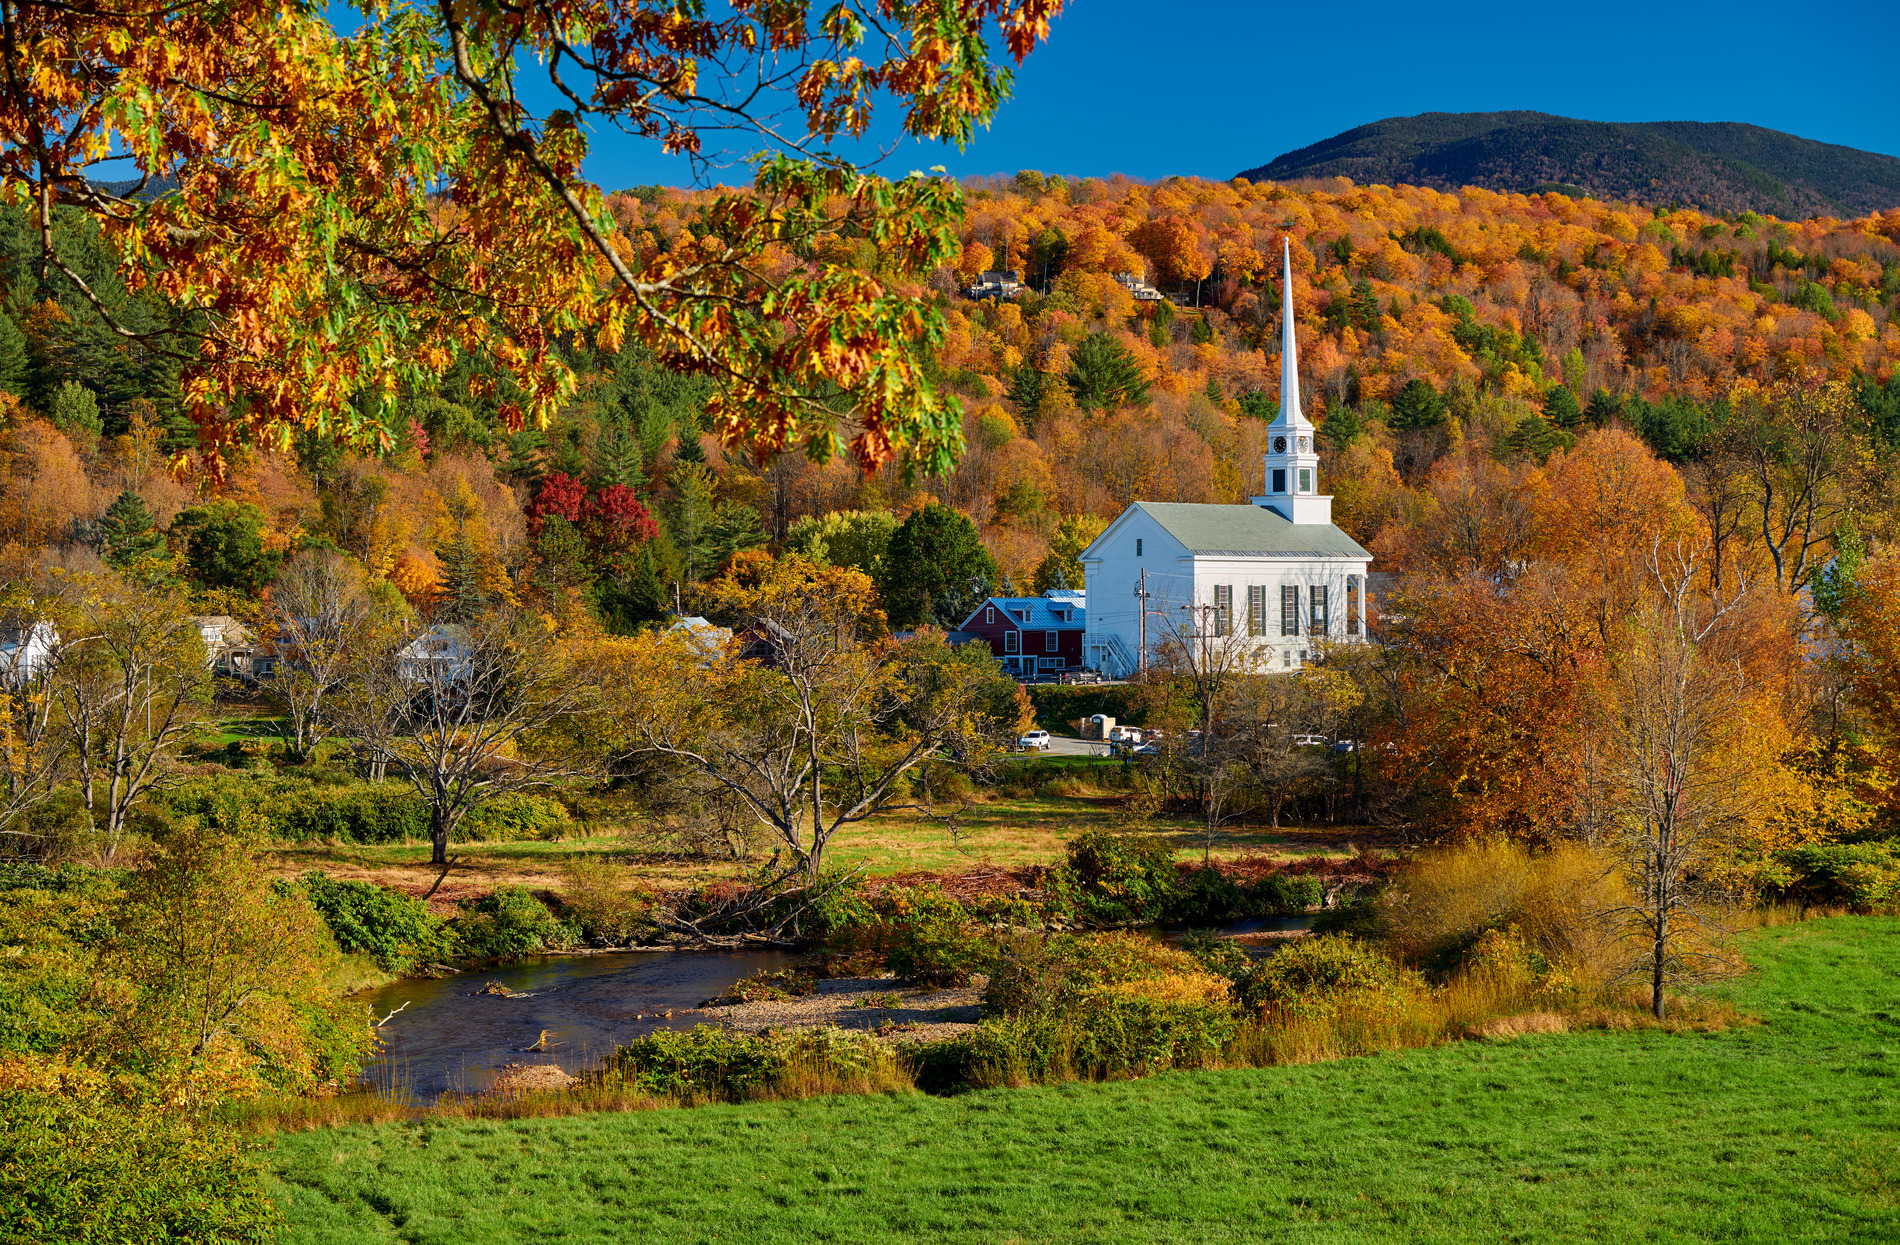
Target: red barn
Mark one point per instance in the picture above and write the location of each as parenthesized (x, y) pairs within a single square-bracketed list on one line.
[(1033, 635)]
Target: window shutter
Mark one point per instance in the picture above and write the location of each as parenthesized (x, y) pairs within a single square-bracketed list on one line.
[(1290, 610)]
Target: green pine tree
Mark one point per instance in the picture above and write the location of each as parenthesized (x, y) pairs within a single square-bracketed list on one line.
[(617, 460), (13, 358), (1561, 409), (1103, 375), (75, 411), (128, 532)]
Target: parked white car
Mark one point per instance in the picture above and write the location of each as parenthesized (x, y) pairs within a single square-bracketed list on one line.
[(1034, 739), (1124, 735)]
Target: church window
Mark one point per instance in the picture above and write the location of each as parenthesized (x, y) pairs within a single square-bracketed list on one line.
[(1279, 479), (1290, 609), (1012, 641), (1257, 610), (1306, 479), (1286, 659), (989, 615), (1279, 445), (1223, 609), (1049, 641), (1317, 622)]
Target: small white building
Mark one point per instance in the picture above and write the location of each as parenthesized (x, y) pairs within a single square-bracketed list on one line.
[(28, 648), (1274, 569)]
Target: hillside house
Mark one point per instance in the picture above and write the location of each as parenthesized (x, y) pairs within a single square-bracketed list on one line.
[(1003, 284), (1273, 570), (1032, 635)]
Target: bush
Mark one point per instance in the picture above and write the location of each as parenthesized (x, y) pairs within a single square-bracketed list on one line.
[(95, 1173), (1284, 894), (1446, 900), (926, 937), (608, 911), (772, 986), (516, 817), (1114, 878), (298, 811), (509, 924), (1205, 896), (710, 1063), (1862, 876), (1315, 976), (397, 929), (1223, 957)]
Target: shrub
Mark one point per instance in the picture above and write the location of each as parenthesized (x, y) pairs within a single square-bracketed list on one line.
[(1859, 875), (710, 1063), (1446, 900), (96, 1173), (397, 929), (772, 986), (1315, 976), (515, 817), (1281, 893), (926, 937), (1205, 896), (1115, 878), (1223, 957), (509, 924), (608, 911)]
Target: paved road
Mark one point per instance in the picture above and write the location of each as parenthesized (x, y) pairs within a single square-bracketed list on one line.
[(1063, 746)]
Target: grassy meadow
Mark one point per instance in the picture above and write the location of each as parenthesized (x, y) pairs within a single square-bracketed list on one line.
[(1782, 1130)]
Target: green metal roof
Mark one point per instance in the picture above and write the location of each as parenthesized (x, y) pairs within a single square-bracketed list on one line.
[(1249, 531)]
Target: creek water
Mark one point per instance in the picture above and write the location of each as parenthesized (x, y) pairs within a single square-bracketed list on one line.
[(450, 1037)]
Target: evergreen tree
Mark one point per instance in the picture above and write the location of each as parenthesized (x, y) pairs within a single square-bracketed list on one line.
[(13, 358), (1340, 426), (75, 411), (617, 460), (1418, 405), (128, 532), (1103, 375), (1603, 408), (1561, 409), (936, 569), (224, 546)]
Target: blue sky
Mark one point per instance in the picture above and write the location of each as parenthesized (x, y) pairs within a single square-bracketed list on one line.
[(1212, 88)]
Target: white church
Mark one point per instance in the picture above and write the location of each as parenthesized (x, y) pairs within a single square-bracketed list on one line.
[(1275, 569)]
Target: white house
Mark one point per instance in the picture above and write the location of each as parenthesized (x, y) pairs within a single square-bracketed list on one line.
[(1274, 569), (28, 648)]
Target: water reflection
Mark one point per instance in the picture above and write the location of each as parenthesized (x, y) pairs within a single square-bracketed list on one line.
[(451, 1037)]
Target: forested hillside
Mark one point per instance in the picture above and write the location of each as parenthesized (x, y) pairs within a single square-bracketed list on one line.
[(1433, 326), (1721, 166)]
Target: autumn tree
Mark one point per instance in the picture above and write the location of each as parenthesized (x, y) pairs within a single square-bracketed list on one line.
[(321, 611), (1686, 786), (464, 712), (1797, 443), (133, 683), (401, 158)]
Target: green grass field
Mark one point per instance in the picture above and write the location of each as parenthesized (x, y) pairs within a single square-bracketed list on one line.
[(1784, 1131)]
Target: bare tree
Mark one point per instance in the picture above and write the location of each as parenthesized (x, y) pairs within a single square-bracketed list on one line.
[(1684, 784), (821, 728), (131, 685), (1794, 444), (465, 713), (1272, 719), (319, 615)]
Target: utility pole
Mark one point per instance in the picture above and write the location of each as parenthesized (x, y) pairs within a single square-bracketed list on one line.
[(1141, 613)]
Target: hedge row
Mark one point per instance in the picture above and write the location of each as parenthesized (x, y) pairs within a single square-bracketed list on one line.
[(299, 811)]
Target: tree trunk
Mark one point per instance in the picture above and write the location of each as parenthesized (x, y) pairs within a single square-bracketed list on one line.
[(438, 836)]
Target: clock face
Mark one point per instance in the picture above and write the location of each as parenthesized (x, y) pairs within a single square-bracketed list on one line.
[(1279, 445), (1306, 443)]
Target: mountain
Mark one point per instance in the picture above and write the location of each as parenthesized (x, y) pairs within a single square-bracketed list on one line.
[(1715, 166)]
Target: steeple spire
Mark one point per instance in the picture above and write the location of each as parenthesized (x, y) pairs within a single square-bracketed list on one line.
[(1290, 413)]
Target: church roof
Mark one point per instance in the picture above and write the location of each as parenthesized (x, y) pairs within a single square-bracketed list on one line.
[(1248, 532)]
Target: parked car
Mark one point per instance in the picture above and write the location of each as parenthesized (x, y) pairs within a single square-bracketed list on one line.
[(1344, 745), (1310, 741), (1081, 676), (1124, 735), (1034, 739), (1147, 750)]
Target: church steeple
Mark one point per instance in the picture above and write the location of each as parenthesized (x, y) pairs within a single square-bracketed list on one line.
[(1290, 414), (1292, 458)]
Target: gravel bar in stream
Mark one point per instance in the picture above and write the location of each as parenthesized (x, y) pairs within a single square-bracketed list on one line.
[(875, 1005)]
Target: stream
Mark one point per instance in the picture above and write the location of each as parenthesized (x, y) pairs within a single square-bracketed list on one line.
[(450, 1037)]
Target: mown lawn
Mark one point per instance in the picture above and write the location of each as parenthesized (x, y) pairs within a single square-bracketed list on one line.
[(1784, 1131)]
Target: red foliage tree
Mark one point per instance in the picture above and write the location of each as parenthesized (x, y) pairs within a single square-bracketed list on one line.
[(614, 520), (562, 495)]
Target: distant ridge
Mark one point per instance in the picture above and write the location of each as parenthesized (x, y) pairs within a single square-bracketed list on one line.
[(1716, 166)]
